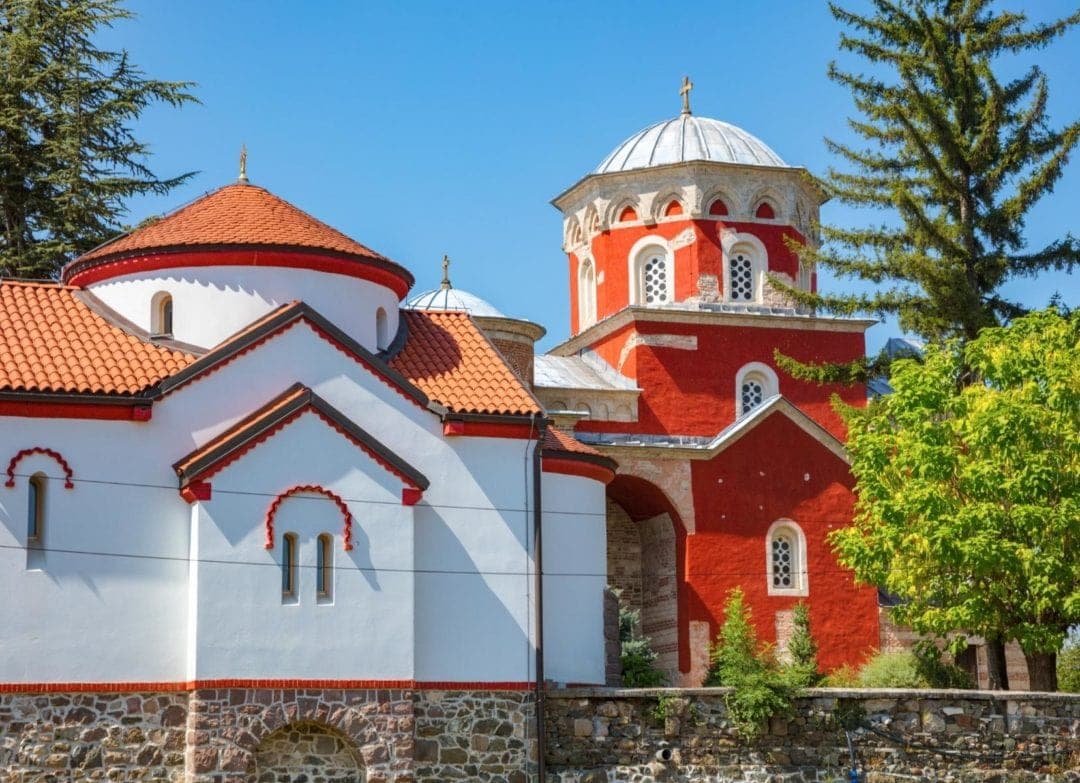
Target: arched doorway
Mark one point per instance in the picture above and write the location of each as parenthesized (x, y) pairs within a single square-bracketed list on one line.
[(308, 752), (645, 540)]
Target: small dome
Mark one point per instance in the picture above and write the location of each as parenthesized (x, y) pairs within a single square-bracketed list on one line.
[(446, 298), (688, 138)]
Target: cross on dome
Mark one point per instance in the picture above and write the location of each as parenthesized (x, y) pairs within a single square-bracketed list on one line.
[(684, 91)]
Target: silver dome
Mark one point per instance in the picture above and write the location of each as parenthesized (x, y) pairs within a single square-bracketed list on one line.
[(446, 298), (687, 138)]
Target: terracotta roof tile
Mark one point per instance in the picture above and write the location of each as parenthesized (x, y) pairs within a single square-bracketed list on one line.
[(559, 440), (234, 215), (52, 342), (453, 363)]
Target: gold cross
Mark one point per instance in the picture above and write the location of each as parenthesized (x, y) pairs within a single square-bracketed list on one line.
[(687, 86)]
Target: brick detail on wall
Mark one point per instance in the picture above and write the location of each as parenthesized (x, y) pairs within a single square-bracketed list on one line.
[(623, 556), (659, 592)]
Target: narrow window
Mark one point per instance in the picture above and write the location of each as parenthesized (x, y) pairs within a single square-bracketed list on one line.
[(752, 394), (654, 279), (783, 554), (741, 282), (586, 295), (382, 330), (35, 511), (288, 565), (324, 565), (161, 315)]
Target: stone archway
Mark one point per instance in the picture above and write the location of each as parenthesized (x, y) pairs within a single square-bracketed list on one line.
[(309, 752)]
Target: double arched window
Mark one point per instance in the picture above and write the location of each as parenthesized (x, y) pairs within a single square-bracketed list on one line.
[(785, 559), (290, 568)]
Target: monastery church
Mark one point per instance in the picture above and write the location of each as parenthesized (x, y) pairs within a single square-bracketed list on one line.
[(252, 481)]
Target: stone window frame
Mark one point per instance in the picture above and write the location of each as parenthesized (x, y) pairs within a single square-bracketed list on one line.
[(739, 243), (586, 293), (36, 499), (794, 532), (161, 314), (290, 568), (644, 250), (763, 374), (324, 568)]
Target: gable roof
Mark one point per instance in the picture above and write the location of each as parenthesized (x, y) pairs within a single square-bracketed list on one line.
[(51, 341), (454, 364), (260, 425)]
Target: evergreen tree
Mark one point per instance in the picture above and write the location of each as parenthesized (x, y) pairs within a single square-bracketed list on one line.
[(955, 154), (68, 153), (803, 668), (637, 657)]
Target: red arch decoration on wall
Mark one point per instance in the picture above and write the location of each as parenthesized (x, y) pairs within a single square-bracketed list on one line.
[(346, 515), (56, 455)]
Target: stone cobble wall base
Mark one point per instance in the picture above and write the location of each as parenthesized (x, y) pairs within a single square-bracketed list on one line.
[(599, 735), (242, 735), (53, 737)]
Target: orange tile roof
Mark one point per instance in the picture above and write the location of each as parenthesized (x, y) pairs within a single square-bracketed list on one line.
[(559, 440), (451, 361), (234, 215), (52, 342)]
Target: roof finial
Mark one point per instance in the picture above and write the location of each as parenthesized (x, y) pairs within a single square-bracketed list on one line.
[(243, 178), (445, 273), (687, 86)]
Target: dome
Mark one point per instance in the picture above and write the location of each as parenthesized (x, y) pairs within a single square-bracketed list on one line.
[(687, 138), (447, 298)]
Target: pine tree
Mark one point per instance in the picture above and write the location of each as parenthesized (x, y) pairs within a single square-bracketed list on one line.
[(803, 668), (955, 155), (69, 157)]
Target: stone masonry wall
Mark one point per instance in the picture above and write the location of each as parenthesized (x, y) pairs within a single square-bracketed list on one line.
[(240, 735), (598, 735)]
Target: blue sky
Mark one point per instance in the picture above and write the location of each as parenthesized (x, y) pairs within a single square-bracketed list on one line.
[(428, 128)]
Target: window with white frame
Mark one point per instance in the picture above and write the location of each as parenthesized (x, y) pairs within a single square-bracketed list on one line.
[(785, 556), (324, 568), (161, 315), (586, 294), (289, 565), (754, 384), (653, 277)]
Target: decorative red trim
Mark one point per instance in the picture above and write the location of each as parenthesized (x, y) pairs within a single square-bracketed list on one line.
[(484, 429), (71, 410), (141, 413), (68, 483), (453, 428), (191, 685), (576, 467), (354, 266), (197, 490), (270, 512), (410, 496)]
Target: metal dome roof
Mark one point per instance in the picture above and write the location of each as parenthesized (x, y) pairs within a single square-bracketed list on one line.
[(687, 138), (447, 298)]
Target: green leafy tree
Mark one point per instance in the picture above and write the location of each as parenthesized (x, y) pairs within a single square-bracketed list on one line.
[(69, 157), (1069, 666), (637, 656), (968, 488), (954, 154), (803, 669), (759, 689)]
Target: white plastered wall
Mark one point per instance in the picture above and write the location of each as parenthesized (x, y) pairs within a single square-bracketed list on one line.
[(212, 303)]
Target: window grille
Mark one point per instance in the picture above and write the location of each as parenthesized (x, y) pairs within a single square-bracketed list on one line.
[(742, 279), (655, 278)]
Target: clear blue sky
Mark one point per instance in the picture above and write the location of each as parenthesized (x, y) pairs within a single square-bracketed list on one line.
[(428, 128)]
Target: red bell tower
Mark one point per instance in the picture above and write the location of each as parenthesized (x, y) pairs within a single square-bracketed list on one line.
[(731, 472)]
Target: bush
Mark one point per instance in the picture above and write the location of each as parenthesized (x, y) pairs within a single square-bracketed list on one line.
[(938, 672), (1068, 666), (802, 671), (892, 670), (847, 676), (760, 689), (637, 656)]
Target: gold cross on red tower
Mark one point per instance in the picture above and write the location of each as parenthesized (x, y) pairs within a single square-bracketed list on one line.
[(687, 86)]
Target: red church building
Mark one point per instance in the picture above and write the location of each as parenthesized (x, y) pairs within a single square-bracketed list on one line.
[(731, 473)]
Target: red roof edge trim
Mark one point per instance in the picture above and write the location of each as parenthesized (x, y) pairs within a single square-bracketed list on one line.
[(70, 407), (346, 533), (578, 467)]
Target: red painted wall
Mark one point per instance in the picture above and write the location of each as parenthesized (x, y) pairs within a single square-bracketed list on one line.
[(738, 495)]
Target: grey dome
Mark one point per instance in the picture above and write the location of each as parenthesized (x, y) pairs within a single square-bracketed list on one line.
[(446, 298), (687, 138)]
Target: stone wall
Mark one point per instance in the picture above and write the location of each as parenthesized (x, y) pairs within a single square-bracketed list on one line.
[(241, 735), (596, 735)]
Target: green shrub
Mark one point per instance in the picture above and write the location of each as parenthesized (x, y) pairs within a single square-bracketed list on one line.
[(892, 670), (938, 672), (637, 656), (760, 689), (1068, 666), (846, 676), (802, 671)]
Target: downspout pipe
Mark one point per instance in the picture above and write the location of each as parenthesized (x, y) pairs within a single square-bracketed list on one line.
[(538, 592)]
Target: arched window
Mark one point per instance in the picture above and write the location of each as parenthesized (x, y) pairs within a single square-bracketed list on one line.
[(382, 330), (765, 211), (161, 315), (785, 559), (741, 283), (652, 277), (586, 294), (324, 567), (35, 510), (754, 384), (718, 208), (289, 552)]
